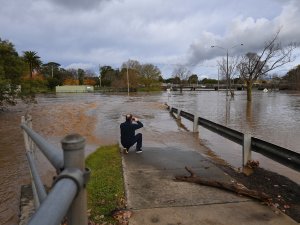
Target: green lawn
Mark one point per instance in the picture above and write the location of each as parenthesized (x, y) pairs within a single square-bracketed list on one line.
[(106, 186)]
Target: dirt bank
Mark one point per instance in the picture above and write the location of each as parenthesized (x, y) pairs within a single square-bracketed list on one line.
[(285, 193)]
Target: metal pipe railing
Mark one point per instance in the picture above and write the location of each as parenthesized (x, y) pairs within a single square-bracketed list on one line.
[(68, 194), (279, 154), (53, 155), (40, 189), (53, 210), (73, 146)]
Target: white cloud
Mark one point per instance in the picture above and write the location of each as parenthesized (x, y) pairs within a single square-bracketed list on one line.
[(253, 33), (84, 66)]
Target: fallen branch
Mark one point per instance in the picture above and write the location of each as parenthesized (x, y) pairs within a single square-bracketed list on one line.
[(233, 186)]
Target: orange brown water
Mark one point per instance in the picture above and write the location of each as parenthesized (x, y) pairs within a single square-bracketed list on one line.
[(97, 118)]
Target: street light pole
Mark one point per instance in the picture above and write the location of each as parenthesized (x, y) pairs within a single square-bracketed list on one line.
[(227, 74), (227, 69)]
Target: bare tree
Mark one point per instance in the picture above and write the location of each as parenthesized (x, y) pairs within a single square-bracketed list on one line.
[(183, 73), (256, 65), (232, 71)]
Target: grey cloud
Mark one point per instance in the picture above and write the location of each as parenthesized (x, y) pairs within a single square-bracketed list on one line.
[(79, 4), (74, 32)]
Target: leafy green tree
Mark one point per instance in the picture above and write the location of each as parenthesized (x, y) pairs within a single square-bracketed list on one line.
[(81, 74), (131, 68), (209, 81), (50, 69), (11, 67), (292, 78), (193, 79), (150, 74), (108, 75), (33, 61)]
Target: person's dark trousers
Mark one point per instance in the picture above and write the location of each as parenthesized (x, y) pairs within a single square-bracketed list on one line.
[(138, 139)]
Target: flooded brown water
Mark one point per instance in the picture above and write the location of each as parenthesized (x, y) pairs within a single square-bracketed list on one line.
[(274, 117)]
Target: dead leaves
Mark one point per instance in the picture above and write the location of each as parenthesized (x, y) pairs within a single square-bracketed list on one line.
[(122, 216)]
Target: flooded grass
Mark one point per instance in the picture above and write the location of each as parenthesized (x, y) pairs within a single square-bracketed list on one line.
[(106, 186)]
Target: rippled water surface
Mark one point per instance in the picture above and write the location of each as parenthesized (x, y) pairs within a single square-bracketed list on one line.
[(273, 116)]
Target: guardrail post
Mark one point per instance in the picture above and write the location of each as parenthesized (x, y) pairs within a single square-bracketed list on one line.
[(73, 146), (246, 148), (195, 124), (170, 109), (178, 114)]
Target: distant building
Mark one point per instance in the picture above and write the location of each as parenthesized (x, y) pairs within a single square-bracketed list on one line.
[(74, 88)]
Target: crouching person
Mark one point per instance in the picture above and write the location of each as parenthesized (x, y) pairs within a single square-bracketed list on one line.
[(128, 136)]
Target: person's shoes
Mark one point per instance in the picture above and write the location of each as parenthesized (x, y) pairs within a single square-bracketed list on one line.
[(125, 150), (138, 151)]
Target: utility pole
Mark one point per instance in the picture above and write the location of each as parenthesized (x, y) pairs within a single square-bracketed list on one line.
[(227, 74), (127, 80), (100, 76), (218, 79)]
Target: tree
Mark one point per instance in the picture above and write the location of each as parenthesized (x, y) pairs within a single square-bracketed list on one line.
[(292, 78), (228, 72), (33, 61), (150, 74), (81, 74), (182, 73), (209, 81), (132, 64), (50, 69), (11, 67), (132, 68), (255, 65), (193, 79), (108, 75)]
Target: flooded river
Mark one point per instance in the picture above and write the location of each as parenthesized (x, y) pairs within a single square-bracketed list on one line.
[(274, 117)]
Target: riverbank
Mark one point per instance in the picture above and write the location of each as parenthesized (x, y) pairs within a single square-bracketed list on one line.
[(284, 193), (155, 197)]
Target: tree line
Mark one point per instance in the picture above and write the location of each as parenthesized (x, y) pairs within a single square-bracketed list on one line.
[(21, 76)]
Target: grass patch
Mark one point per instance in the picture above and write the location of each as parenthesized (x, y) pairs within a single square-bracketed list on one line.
[(106, 186)]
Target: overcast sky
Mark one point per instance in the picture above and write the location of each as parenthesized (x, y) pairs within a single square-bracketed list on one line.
[(86, 33)]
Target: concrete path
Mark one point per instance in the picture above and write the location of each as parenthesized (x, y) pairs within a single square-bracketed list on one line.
[(155, 198)]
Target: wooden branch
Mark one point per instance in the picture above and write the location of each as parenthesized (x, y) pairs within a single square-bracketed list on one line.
[(233, 186)]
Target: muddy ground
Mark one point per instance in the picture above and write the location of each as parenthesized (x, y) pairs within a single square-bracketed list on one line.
[(284, 193)]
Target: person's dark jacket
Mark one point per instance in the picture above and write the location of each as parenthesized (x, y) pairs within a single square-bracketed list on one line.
[(128, 132)]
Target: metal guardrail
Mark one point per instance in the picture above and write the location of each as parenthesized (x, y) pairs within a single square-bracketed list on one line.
[(279, 154), (67, 198)]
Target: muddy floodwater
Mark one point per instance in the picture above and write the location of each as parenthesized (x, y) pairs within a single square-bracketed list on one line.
[(272, 116)]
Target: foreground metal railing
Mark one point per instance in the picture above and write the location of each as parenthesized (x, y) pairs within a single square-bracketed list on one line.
[(67, 197), (279, 154)]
